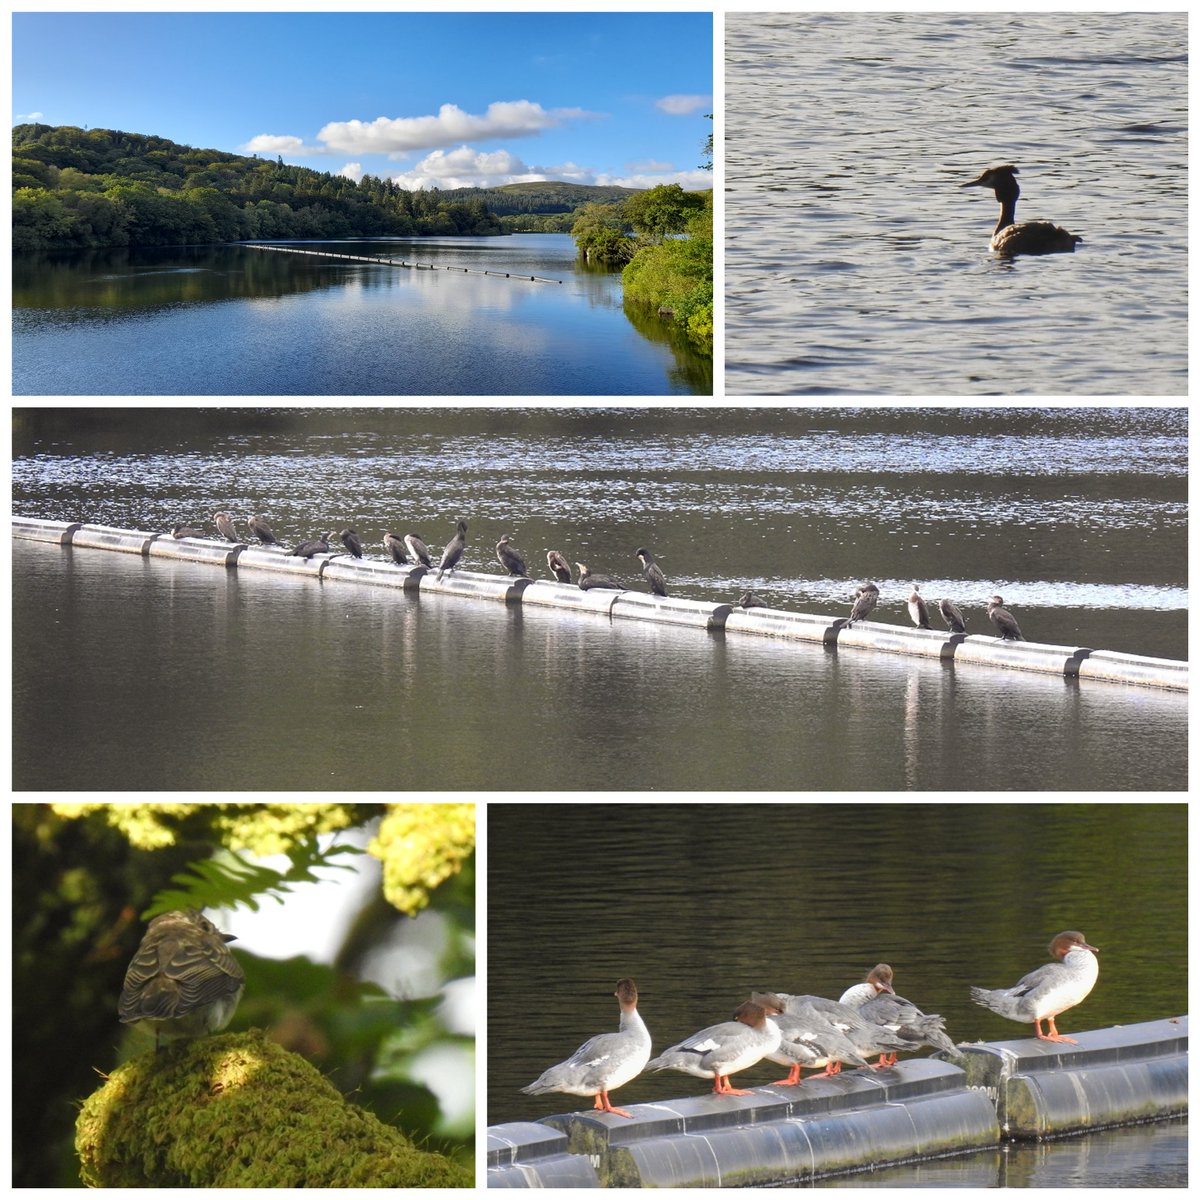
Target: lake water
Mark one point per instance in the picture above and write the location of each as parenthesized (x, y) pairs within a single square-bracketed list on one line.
[(703, 903), (237, 321), (175, 675), (855, 263)]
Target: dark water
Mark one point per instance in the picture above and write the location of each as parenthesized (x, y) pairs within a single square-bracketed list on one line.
[(703, 903), (1079, 516), (855, 262), (234, 320)]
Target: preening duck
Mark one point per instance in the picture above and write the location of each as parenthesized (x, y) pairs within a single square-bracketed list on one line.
[(1029, 237)]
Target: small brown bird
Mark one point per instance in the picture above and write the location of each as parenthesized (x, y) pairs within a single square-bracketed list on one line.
[(183, 980)]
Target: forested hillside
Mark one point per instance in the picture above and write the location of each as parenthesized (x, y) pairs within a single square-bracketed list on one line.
[(102, 187)]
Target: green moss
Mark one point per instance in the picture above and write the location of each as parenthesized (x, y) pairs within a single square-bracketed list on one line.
[(240, 1111)]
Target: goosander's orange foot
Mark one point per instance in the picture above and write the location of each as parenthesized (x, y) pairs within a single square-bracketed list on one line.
[(788, 1082), (617, 1112), (1057, 1037)]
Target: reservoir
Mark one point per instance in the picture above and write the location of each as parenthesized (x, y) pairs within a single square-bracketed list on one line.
[(164, 670), (703, 903), (237, 321)]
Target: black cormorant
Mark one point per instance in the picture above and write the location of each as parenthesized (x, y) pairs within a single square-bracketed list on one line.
[(182, 531), (454, 549), (510, 559), (319, 545), (587, 580), (352, 542), (1029, 237), (559, 567), (952, 616), (418, 549), (866, 598), (750, 600), (1004, 621), (224, 524), (918, 609), (259, 528), (653, 572), (394, 545)]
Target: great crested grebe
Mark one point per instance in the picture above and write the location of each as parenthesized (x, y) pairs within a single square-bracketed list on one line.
[(1029, 237)]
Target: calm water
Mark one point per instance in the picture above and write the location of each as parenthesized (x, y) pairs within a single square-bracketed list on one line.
[(162, 668), (856, 263), (702, 904), (232, 320)]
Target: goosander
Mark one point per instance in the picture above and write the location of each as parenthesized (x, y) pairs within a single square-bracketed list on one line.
[(720, 1050), (806, 1041), (510, 558), (653, 572), (1029, 237), (1050, 990), (865, 600), (1003, 620), (952, 616), (918, 609), (605, 1062), (876, 1000), (865, 1036)]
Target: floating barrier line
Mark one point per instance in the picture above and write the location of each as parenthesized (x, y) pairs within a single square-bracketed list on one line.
[(396, 262), (954, 649)]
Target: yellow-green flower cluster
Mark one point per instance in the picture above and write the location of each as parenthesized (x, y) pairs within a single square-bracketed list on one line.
[(420, 846), (147, 826), (266, 829)]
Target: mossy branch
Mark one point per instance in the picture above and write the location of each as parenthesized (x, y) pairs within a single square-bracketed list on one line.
[(239, 1111)]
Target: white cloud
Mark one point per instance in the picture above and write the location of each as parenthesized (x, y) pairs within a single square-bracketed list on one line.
[(34, 116), (397, 136), (269, 143), (352, 171), (683, 106)]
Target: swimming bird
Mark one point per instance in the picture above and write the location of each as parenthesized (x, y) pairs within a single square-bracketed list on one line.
[(603, 1063), (806, 1039), (1044, 994), (224, 524), (876, 1000), (511, 559), (559, 567), (318, 545), (418, 549), (1029, 237), (182, 531), (394, 545), (721, 1050), (1004, 621), (865, 1036), (352, 542), (918, 609), (653, 572), (588, 581), (454, 549), (866, 598), (262, 531), (750, 600), (952, 616)]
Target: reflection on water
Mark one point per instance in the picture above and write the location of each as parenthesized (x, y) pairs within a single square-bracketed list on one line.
[(703, 903)]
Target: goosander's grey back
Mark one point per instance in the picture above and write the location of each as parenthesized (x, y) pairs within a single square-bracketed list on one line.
[(866, 1037)]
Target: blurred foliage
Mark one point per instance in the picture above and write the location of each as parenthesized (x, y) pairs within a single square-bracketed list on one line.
[(420, 847), (83, 873)]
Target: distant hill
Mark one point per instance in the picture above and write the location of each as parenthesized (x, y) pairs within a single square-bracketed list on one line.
[(549, 196)]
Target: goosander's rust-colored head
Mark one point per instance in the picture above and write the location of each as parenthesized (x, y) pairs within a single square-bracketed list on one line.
[(880, 978), (769, 1002), (1064, 943), (750, 1014), (626, 993)]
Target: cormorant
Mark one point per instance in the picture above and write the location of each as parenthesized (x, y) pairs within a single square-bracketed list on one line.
[(319, 545), (352, 542), (182, 531), (952, 616), (918, 609), (454, 549), (588, 581), (511, 560), (654, 576), (1004, 621), (418, 549), (559, 567), (225, 527), (750, 600), (1029, 237), (394, 545), (866, 598), (259, 528)]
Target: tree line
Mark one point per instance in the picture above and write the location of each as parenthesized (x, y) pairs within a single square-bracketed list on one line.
[(76, 188)]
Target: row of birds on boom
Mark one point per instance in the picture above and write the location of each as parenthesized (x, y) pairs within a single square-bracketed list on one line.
[(811, 1031), (410, 550)]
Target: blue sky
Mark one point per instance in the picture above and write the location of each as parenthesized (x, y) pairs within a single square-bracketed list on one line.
[(429, 99)]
